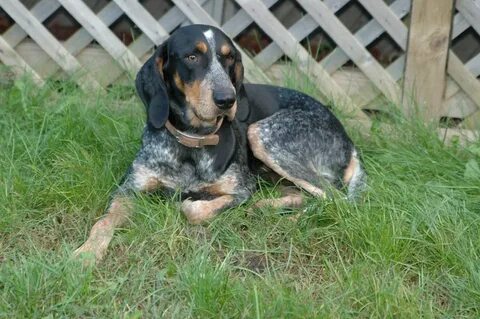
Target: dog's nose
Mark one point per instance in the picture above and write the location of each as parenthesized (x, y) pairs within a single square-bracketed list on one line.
[(224, 100)]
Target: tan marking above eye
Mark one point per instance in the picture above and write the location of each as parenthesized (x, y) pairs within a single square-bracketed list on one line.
[(225, 49), (201, 46)]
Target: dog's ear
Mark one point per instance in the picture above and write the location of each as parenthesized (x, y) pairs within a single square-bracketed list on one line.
[(151, 88), (238, 71), (243, 107)]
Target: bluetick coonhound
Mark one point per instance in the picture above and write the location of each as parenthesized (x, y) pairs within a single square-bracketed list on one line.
[(208, 135)]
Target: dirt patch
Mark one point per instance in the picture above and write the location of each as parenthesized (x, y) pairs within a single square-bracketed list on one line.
[(256, 262)]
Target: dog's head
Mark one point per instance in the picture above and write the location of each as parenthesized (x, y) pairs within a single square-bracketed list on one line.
[(196, 74)]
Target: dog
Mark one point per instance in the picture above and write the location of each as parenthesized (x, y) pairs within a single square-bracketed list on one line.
[(208, 135)]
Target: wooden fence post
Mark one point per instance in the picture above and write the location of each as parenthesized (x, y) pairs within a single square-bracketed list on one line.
[(428, 45)]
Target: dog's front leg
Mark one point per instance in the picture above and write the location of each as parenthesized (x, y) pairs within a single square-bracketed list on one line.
[(231, 189), (201, 210), (139, 179), (102, 232)]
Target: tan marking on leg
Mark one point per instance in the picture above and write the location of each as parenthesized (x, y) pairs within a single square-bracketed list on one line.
[(201, 46), (260, 153), (202, 210), (288, 189), (102, 232), (291, 197), (225, 185), (285, 201), (350, 170), (147, 180), (225, 49), (152, 184)]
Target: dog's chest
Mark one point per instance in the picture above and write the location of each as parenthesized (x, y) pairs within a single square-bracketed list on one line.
[(182, 168), (186, 173), (200, 169), (205, 166)]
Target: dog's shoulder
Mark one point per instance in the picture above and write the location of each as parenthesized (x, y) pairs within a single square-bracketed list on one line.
[(161, 150)]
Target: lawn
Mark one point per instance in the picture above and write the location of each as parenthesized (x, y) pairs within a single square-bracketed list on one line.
[(409, 249)]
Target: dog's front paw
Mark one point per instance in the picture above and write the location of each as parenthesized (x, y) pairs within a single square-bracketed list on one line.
[(197, 211), (89, 253)]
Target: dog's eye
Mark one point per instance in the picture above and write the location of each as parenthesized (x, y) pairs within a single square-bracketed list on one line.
[(191, 58)]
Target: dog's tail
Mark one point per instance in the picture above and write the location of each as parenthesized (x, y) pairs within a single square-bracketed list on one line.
[(357, 183)]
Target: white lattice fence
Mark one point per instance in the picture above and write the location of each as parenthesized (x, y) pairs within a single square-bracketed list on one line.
[(349, 74)]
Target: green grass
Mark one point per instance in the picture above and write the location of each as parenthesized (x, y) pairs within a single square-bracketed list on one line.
[(411, 249)]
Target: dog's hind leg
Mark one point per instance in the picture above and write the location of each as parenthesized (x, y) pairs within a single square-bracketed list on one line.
[(138, 179), (290, 198), (302, 147), (259, 151)]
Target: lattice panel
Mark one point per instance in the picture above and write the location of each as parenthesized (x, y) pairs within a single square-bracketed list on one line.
[(349, 73), (468, 16)]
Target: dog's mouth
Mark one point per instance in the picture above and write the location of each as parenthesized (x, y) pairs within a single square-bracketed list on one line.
[(203, 125), (209, 122), (213, 121)]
